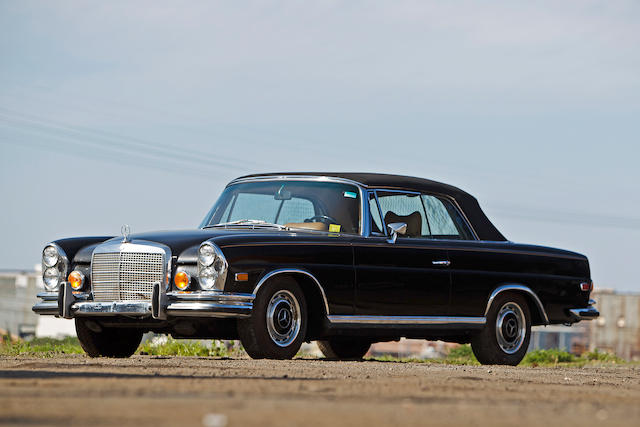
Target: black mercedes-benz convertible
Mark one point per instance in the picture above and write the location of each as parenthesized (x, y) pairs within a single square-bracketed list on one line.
[(347, 259)]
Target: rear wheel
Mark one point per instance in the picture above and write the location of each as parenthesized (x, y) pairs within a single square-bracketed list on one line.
[(278, 322), (99, 341), (344, 348), (505, 337)]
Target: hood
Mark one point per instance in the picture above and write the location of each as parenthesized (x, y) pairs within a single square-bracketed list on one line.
[(180, 241)]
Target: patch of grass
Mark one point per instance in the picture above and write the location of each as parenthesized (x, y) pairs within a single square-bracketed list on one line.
[(602, 356), (167, 346), (462, 355), (42, 347), (548, 357)]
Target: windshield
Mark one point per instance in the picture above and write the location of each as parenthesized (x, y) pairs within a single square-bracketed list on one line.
[(312, 205)]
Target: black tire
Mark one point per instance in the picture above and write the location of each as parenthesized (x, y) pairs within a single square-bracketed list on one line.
[(278, 339), (108, 342), (344, 348), (505, 337)]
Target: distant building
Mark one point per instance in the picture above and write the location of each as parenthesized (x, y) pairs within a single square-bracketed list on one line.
[(617, 330), (18, 290), (568, 338)]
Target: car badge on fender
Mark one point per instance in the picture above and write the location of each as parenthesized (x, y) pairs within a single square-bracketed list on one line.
[(126, 231)]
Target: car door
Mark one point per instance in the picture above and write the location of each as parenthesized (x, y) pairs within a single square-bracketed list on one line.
[(409, 277)]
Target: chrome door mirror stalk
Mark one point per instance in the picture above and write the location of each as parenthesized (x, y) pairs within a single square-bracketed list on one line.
[(396, 228)]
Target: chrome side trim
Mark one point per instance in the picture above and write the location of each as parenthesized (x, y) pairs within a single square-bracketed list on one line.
[(406, 320), (209, 309), (518, 288), (293, 270), (211, 296)]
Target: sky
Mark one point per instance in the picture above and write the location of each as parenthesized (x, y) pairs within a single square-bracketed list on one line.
[(141, 112)]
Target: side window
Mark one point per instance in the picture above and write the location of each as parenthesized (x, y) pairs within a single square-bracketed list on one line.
[(295, 210), (445, 220), (376, 221), (407, 208)]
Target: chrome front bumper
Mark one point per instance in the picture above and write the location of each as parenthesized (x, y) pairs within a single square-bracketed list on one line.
[(172, 304)]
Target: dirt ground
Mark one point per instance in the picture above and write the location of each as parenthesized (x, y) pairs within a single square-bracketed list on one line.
[(189, 391)]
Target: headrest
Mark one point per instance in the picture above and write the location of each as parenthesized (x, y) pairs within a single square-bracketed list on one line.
[(413, 221)]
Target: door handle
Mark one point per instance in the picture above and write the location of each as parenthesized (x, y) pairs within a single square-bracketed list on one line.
[(442, 263)]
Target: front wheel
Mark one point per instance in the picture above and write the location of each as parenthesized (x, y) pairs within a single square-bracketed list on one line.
[(505, 337), (99, 341), (278, 322)]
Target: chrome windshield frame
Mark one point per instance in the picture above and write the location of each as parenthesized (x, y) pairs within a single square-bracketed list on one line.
[(364, 224)]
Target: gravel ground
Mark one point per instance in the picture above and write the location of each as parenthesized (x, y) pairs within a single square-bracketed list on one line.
[(189, 391)]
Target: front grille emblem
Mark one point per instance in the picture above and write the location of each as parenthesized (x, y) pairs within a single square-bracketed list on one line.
[(126, 231)]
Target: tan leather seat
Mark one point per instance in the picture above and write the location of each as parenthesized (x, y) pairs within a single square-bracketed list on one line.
[(318, 226), (413, 221)]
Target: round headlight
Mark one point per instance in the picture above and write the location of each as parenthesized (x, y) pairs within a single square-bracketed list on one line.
[(208, 278), (206, 255), (76, 279), (51, 278), (50, 256)]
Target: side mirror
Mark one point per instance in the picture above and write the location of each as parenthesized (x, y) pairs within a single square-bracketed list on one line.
[(396, 228)]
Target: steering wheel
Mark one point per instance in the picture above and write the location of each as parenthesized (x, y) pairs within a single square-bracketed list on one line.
[(326, 219)]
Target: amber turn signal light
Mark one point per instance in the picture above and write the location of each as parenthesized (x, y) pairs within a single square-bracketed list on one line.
[(242, 277), (76, 279), (182, 280)]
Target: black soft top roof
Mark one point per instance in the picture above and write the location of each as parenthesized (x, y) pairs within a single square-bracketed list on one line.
[(481, 224)]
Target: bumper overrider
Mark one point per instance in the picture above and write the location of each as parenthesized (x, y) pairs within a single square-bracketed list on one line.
[(65, 303)]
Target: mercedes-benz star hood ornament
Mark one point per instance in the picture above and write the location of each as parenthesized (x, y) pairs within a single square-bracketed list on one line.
[(126, 231)]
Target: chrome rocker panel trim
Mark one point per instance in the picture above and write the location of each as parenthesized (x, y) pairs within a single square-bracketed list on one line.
[(406, 320)]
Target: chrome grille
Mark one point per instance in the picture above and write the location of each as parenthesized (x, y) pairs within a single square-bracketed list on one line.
[(125, 276)]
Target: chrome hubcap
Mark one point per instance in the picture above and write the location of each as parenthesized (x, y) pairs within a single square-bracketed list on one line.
[(510, 327), (283, 318)]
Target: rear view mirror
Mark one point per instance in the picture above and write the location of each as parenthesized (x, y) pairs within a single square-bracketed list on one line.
[(282, 194)]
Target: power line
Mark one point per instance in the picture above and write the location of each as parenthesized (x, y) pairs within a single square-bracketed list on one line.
[(124, 142)]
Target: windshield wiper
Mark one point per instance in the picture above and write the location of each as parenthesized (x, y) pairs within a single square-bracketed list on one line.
[(248, 222)]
